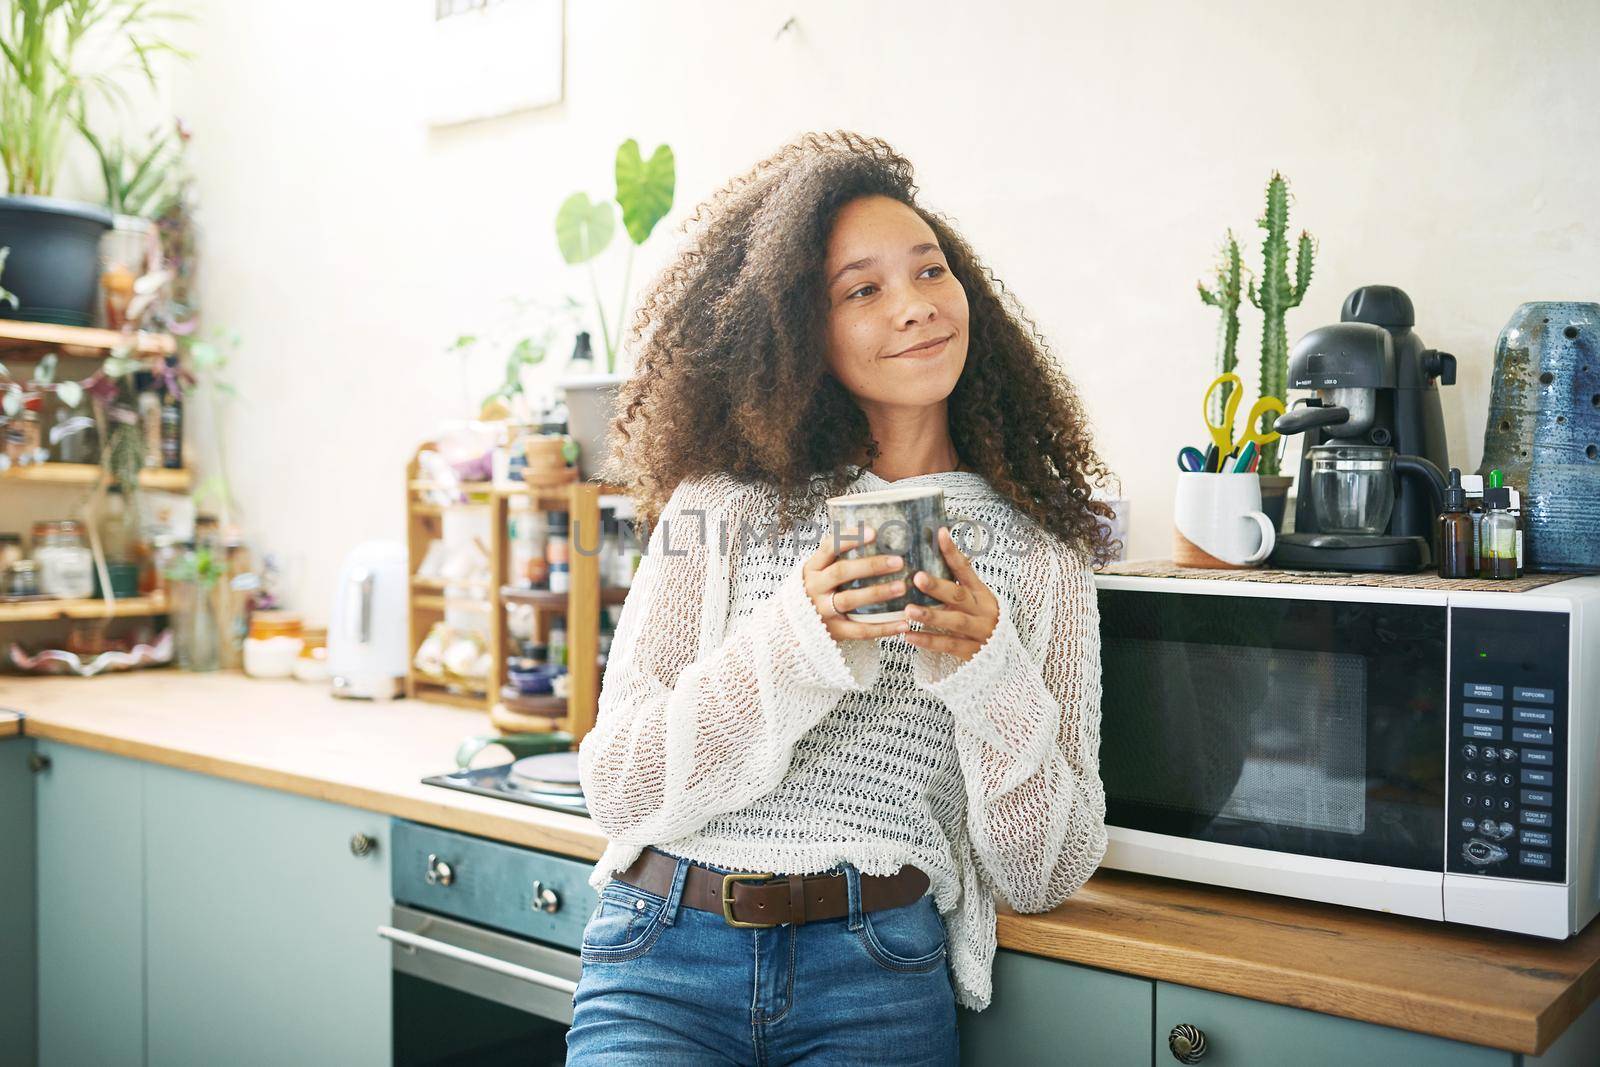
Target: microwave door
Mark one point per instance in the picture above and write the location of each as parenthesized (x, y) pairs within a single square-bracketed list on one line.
[(1295, 728)]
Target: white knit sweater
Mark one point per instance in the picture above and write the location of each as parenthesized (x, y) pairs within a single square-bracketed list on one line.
[(734, 730)]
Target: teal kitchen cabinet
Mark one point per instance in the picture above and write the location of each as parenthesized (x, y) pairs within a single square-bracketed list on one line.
[(18, 912), (262, 917), (1251, 1033), (1048, 1012), (90, 843)]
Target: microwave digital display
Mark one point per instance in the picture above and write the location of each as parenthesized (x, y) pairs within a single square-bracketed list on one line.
[(1302, 726)]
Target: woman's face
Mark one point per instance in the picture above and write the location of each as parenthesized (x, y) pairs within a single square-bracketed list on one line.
[(889, 289)]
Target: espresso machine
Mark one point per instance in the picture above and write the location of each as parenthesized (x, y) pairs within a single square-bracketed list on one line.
[(1370, 485)]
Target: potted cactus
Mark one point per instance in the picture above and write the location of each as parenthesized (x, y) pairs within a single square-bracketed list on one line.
[(1276, 294)]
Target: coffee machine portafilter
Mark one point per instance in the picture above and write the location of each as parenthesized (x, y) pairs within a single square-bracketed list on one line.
[(1376, 400)]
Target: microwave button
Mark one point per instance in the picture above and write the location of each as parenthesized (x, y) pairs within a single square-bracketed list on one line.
[(1469, 800), (1537, 777), (1536, 818), (1535, 838), (1470, 775), (1490, 753), (1482, 731), (1468, 825), (1508, 754), (1469, 751), (1538, 716), (1541, 797), (1529, 736), (1482, 853), (1541, 756), (1534, 859), (1482, 691), (1534, 696), (1505, 804), (1483, 711), (1495, 831)]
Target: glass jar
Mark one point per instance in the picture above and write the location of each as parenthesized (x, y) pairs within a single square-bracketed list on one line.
[(1352, 488), (21, 579), (10, 549), (273, 645), (194, 618), (66, 566)]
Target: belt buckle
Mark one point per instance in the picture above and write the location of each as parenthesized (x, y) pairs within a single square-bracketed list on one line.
[(727, 896)]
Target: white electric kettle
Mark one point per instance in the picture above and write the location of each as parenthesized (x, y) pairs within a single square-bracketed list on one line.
[(368, 647)]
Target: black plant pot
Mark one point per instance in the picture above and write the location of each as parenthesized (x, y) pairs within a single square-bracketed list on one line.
[(54, 265)]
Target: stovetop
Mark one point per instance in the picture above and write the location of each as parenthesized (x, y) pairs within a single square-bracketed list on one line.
[(498, 781)]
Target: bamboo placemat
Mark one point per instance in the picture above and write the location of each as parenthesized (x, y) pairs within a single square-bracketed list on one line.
[(1165, 568)]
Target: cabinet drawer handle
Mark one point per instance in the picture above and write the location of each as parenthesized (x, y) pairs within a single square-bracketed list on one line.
[(408, 940), (361, 844), (1188, 1043)]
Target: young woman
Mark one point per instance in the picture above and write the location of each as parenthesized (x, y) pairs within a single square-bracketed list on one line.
[(809, 817)]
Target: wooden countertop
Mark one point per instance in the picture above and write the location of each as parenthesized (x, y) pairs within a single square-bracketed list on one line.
[(1501, 990), (10, 724)]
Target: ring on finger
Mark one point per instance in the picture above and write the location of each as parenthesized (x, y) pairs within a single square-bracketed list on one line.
[(832, 606)]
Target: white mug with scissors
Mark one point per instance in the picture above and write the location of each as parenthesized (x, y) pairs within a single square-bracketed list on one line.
[(1218, 517)]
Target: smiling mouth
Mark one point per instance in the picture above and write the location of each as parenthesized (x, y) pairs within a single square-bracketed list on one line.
[(926, 349)]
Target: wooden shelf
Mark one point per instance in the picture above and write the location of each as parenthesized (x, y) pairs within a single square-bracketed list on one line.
[(15, 333), (49, 610), (439, 603), (419, 582), (548, 601), (442, 693), (177, 481), (550, 707)]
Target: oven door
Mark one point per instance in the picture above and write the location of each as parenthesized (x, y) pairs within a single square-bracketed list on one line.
[(1279, 738), (465, 994)]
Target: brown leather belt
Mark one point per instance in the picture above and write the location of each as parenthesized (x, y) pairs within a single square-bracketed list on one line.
[(756, 899)]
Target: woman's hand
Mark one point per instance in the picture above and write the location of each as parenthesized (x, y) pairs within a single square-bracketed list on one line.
[(825, 572), (971, 610)]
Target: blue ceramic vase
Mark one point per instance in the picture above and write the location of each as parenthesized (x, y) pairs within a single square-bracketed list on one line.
[(1543, 430)]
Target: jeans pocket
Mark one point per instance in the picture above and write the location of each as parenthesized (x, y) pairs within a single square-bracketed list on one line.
[(908, 938), (625, 925)]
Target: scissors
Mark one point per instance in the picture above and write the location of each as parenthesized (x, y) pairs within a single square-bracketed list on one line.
[(1222, 433), (1191, 459)]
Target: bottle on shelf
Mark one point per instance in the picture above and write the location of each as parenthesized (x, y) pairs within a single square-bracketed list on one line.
[(1499, 533), (150, 411), (171, 421), (1455, 531), (557, 551), (557, 644)]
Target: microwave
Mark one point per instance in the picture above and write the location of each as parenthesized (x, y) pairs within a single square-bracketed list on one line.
[(1409, 750)]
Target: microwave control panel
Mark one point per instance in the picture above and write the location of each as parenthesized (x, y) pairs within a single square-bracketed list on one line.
[(1507, 789)]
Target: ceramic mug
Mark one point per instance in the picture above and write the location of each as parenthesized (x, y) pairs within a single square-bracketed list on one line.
[(1219, 522), (907, 521)]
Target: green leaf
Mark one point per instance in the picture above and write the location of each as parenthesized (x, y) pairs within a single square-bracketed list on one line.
[(69, 393), (644, 190), (13, 401), (45, 373), (583, 229)]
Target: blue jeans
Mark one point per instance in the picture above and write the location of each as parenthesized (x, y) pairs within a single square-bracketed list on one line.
[(666, 985)]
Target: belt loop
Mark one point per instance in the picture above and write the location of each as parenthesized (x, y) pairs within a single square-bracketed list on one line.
[(852, 885), (675, 894), (797, 900)]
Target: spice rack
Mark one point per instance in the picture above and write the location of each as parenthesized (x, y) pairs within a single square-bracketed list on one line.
[(23, 339), (580, 604)]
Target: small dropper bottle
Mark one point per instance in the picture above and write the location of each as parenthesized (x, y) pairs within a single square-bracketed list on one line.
[(1455, 531), (1498, 537)]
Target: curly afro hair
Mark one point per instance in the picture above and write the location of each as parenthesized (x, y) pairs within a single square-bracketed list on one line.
[(730, 377)]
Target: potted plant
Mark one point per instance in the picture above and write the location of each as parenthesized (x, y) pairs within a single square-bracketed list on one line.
[(45, 86), (1275, 295), (136, 190), (584, 230)]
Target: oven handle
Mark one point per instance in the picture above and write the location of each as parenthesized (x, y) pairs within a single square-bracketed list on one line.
[(478, 959)]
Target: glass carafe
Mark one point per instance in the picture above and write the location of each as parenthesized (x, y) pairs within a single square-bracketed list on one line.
[(1352, 488)]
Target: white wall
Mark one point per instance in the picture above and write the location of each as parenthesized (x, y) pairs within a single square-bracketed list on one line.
[(1093, 152)]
